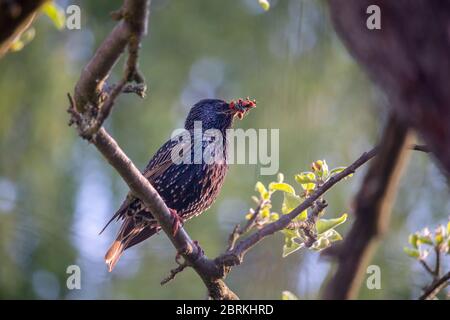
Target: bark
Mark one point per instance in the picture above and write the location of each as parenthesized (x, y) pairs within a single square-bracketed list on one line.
[(372, 211), (88, 92), (408, 58)]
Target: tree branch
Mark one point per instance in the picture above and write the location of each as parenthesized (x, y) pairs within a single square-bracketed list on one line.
[(437, 264), (235, 256), (437, 285), (372, 210), (129, 31), (427, 267), (238, 231), (309, 226), (91, 105), (174, 272), (85, 107), (421, 147), (412, 70)]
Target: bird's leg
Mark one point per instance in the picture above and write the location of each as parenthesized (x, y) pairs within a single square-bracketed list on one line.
[(177, 221)]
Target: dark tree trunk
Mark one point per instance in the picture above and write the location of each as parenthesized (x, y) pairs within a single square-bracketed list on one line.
[(409, 58), (15, 17), (372, 209)]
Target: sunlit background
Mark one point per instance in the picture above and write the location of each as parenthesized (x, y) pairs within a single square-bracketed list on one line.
[(57, 192)]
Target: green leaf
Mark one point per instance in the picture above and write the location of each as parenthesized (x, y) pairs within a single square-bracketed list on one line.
[(17, 45), (262, 190), (264, 4), (287, 295), (289, 235), (438, 238), (28, 35), (281, 186), (424, 240), (325, 170), (302, 216), (22, 40), (320, 244), (320, 167), (412, 239), (413, 253), (290, 202), (305, 177), (265, 213), (55, 13), (291, 248), (323, 225), (337, 170), (274, 216), (307, 180), (325, 240), (332, 235)]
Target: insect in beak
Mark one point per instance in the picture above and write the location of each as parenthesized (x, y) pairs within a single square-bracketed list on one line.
[(242, 106)]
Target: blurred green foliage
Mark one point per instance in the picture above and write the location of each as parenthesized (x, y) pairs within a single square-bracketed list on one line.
[(56, 192), (424, 242), (296, 237)]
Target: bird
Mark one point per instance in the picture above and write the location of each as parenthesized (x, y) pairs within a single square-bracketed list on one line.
[(187, 188)]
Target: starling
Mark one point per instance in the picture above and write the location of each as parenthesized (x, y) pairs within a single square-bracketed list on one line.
[(188, 189)]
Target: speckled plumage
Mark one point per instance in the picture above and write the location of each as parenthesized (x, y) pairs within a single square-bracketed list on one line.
[(189, 189)]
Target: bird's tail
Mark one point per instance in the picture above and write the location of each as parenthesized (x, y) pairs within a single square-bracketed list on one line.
[(129, 235)]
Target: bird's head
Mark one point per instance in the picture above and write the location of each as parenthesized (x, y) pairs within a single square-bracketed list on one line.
[(218, 114)]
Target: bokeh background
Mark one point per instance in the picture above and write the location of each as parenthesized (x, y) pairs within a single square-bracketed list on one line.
[(57, 192)]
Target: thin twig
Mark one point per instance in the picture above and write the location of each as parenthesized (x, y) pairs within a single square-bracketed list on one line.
[(421, 147), (238, 231), (437, 285), (235, 256), (105, 109), (89, 99), (309, 225), (317, 208), (437, 265), (139, 88), (173, 273), (427, 267), (252, 221), (233, 237)]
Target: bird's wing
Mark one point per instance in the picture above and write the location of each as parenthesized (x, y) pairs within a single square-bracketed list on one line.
[(159, 163)]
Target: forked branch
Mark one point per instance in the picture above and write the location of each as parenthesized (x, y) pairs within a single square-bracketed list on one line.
[(92, 104)]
